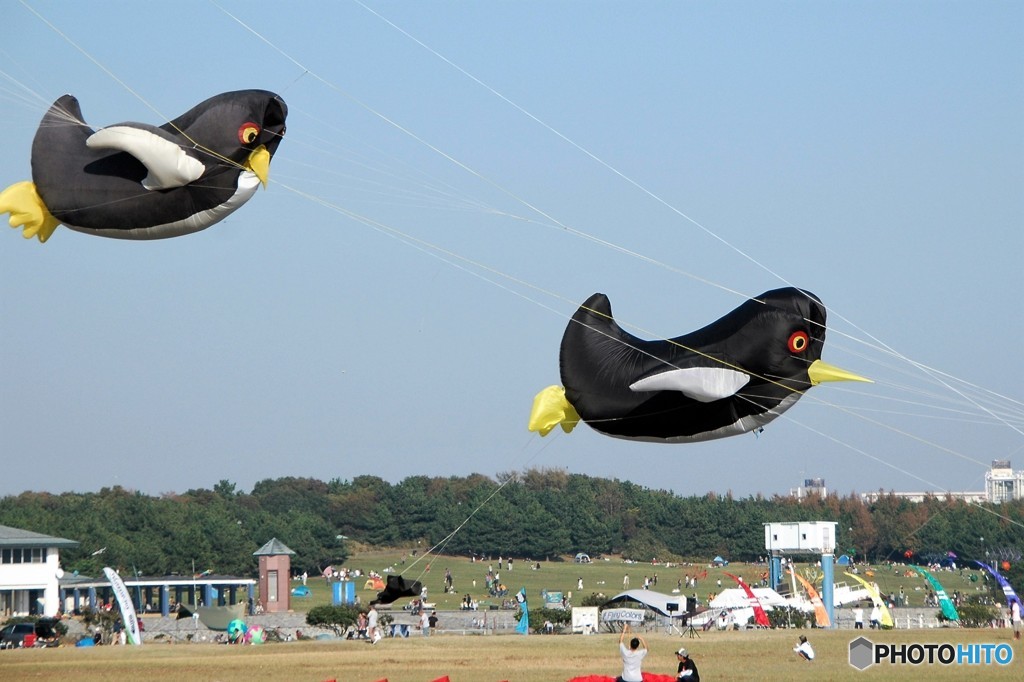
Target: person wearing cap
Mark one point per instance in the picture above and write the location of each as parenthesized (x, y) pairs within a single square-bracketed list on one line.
[(803, 649), (687, 668), (632, 657)]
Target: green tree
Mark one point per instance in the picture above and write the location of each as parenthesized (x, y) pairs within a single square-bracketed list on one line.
[(337, 618)]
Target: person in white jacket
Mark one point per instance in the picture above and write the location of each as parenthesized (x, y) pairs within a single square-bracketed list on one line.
[(804, 649)]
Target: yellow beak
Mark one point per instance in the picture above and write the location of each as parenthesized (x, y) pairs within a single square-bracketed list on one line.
[(822, 371), (259, 163)]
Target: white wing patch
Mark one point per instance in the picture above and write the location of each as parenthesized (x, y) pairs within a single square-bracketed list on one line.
[(705, 384), (168, 164)]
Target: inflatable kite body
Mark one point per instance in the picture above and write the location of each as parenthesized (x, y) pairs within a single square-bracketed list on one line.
[(731, 377), (137, 181), (647, 677), (397, 588)]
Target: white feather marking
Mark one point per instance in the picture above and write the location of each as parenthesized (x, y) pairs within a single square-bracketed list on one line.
[(705, 384), (168, 164)]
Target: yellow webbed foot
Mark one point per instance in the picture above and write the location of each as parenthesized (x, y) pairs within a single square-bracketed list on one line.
[(28, 211), (550, 409)]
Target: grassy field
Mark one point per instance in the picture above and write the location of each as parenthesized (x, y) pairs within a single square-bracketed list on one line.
[(740, 656), (601, 576), (749, 655)]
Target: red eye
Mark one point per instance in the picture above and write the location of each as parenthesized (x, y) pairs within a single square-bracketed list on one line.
[(248, 133), (798, 342)]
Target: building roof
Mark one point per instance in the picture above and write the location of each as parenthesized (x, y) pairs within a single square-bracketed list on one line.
[(656, 601), (83, 581), (16, 537), (273, 548)]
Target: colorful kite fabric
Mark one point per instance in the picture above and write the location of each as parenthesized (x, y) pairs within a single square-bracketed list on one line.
[(731, 377), (523, 627), (1007, 588), (876, 600), (647, 677), (760, 617), (820, 612), (945, 603), (138, 181)]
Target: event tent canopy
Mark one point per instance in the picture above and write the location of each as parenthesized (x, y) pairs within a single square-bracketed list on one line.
[(656, 601), (735, 597)]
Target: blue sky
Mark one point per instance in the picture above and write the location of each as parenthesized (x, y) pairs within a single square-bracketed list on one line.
[(453, 183)]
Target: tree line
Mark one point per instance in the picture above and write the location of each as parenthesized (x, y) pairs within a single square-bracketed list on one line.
[(537, 514)]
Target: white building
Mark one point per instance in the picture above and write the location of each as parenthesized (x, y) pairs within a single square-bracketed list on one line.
[(811, 486), (29, 572), (1002, 483)]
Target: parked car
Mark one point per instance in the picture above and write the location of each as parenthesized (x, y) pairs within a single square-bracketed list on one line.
[(13, 636), (40, 633)]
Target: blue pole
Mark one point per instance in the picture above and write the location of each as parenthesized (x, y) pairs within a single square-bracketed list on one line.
[(828, 587), (774, 571), (165, 600)]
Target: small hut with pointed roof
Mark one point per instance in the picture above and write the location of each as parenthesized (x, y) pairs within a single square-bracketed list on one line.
[(275, 572)]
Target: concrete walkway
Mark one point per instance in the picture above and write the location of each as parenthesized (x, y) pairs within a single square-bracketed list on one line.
[(161, 629), (169, 629)]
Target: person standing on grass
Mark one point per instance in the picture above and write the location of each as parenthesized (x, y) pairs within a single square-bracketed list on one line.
[(371, 625), (632, 657), (425, 622)]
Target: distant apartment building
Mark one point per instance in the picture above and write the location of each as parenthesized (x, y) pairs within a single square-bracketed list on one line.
[(811, 486)]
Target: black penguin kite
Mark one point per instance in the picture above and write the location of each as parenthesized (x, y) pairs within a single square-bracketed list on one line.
[(137, 181), (398, 587), (731, 377)]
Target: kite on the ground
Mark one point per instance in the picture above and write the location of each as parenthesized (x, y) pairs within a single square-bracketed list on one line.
[(733, 376), (523, 627), (397, 588), (648, 677), (138, 181), (1004, 584)]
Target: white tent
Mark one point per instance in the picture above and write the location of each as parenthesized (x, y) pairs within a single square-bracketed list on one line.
[(656, 601), (736, 597)]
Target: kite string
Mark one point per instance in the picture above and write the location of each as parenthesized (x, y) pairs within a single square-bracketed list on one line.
[(901, 470), (571, 142), (420, 140), (439, 547), (88, 56)]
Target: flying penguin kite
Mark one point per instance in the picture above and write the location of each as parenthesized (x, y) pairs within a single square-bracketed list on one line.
[(138, 181), (733, 376)]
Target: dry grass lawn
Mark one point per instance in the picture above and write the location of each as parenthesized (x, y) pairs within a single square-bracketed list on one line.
[(720, 656)]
